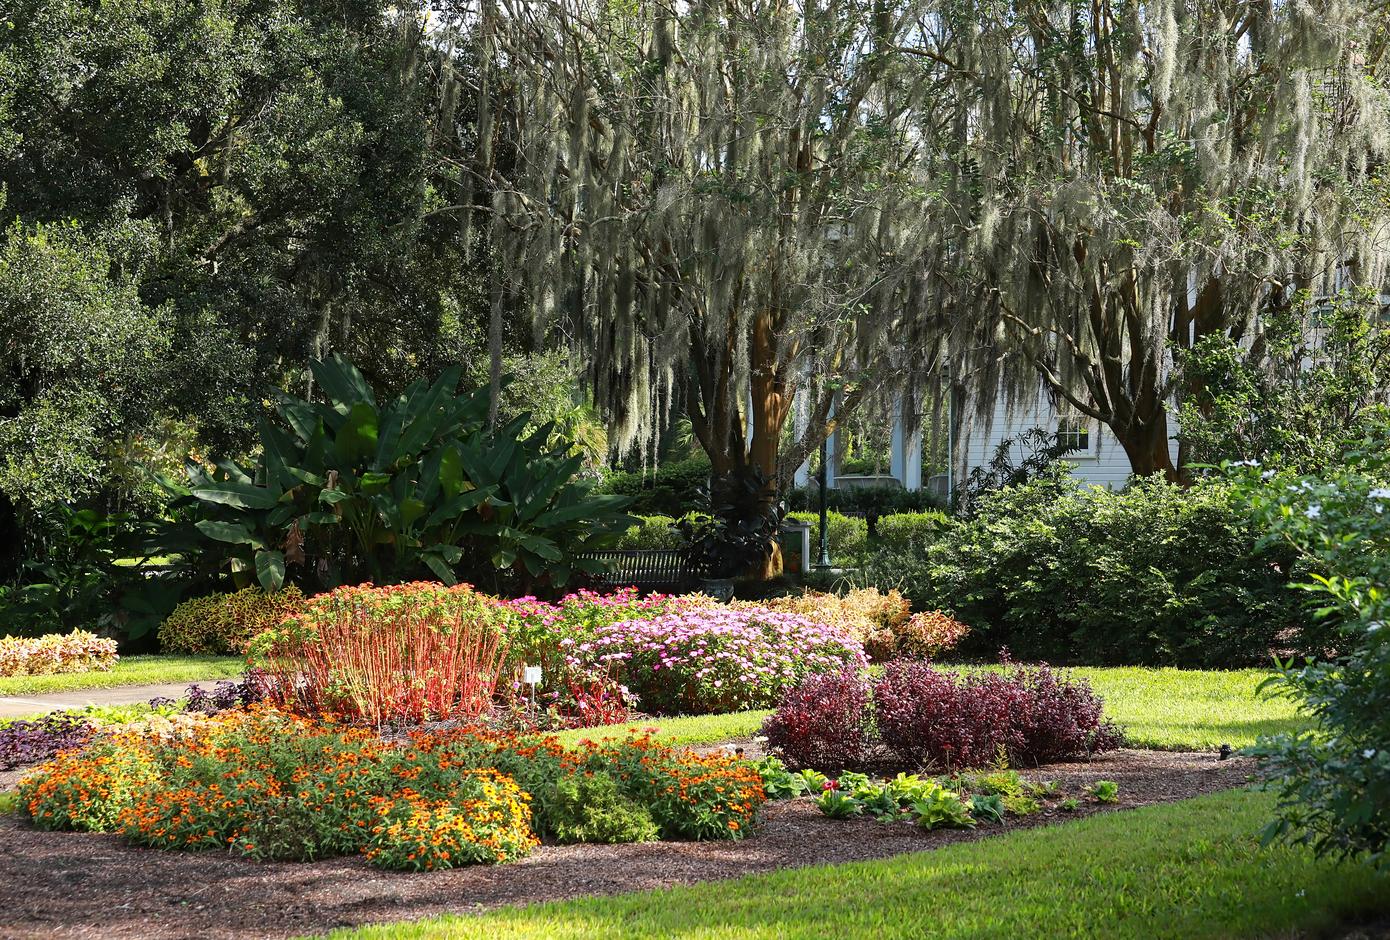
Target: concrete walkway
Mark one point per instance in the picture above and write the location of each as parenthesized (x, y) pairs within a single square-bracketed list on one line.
[(39, 703)]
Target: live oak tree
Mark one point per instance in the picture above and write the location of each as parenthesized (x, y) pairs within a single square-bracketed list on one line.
[(1138, 176), (719, 204)]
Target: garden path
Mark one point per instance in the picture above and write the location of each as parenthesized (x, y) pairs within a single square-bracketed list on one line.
[(21, 706)]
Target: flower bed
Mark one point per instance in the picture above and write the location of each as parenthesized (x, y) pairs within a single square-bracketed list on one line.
[(265, 784), (578, 692), (718, 659), (78, 651), (30, 741)]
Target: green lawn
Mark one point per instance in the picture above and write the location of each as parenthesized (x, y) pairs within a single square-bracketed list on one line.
[(1187, 709), (1162, 709), (130, 670), (1190, 869)]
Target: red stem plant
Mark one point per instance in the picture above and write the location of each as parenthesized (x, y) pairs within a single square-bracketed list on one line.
[(408, 652)]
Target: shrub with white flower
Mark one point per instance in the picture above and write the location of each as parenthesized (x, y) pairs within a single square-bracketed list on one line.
[(718, 659)]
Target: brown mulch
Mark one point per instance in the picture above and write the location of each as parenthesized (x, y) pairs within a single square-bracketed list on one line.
[(55, 884)]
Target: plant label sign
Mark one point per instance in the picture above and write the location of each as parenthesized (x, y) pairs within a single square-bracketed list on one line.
[(531, 675)]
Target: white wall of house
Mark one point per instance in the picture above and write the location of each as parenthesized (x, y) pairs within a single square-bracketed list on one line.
[(1103, 462)]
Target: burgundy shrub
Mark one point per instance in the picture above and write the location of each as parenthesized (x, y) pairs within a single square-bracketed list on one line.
[(1026, 714), (823, 722), (1058, 716)]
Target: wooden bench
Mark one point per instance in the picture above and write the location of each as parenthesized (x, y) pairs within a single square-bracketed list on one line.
[(647, 569)]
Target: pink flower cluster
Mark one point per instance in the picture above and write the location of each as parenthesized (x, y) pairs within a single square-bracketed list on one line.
[(717, 659), (78, 651)]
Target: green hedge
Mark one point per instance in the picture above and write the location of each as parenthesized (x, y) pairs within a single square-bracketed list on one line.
[(904, 530), (849, 537), (1151, 575), (653, 532)]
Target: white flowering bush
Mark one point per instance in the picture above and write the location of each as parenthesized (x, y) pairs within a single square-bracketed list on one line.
[(78, 651), (1333, 780), (717, 659)]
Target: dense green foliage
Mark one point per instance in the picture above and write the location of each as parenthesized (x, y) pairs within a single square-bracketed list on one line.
[(1288, 402), (349, 490), (651, 532), (902, 531), (671, 489), (1186, 870), (1334, 779), (1152, 574)]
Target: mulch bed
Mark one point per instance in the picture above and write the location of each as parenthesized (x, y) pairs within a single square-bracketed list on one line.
[(55, 884)]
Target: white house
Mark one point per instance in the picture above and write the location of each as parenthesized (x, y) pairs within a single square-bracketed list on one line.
[(1097, 456)]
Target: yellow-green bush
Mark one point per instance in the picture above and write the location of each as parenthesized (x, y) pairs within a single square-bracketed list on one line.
[(224, 623)]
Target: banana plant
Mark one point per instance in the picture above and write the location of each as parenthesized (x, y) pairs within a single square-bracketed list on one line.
[(349, 490)]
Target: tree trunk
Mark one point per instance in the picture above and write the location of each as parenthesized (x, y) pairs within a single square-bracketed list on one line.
[(1146, 446)]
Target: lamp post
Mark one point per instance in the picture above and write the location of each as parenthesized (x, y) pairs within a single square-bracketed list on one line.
[(824, 560)]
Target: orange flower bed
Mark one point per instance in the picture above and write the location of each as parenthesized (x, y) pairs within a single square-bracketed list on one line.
[(272, 785)]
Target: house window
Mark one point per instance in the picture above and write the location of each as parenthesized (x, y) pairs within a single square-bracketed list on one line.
[(1076, 434)]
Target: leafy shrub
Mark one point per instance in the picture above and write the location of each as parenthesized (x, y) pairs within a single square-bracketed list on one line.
[(1333, 781), (223, 624), (849, 536), (1025, 714), (593, 809), (651, 532), (349, 490), (717, 659), (921, 636), (668, 490), (823, 722), (879, 501), (904, 531), (1155, 574), (406, 652), (927, 717), (78, 651)]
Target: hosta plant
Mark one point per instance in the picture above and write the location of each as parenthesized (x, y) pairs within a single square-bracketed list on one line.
[(939, 808), (838, 804), (779, 783)]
